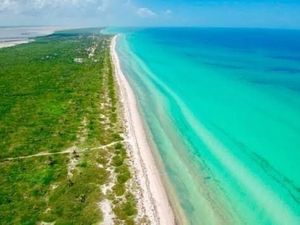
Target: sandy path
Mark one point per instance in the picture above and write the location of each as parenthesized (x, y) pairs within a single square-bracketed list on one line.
[(153, 197), (68, 151)]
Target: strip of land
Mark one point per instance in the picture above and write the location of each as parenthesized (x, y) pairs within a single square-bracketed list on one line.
[(68, 156), (63, 158), (11, 43), (152, 196)]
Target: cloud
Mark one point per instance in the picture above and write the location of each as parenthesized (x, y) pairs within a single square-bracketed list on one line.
[(34, 5), (103, 5), (77, 12), (41, 4), (168, 12), (7, 5), (145, 13)]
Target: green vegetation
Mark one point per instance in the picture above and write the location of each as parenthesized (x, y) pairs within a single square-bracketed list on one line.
[(58, 96)]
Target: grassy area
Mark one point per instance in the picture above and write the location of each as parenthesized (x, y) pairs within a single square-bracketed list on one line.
[(58, 94)]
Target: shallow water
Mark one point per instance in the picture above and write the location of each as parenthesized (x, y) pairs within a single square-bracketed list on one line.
[(223, 109), (22, 34)]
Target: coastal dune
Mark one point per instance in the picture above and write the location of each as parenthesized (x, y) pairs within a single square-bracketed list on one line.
[(152, 197)]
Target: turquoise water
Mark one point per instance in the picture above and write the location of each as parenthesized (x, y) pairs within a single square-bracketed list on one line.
[(223, 109)]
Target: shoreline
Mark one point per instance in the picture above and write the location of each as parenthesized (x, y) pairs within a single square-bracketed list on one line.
[(152, 197), (21, 38), (8, 44)]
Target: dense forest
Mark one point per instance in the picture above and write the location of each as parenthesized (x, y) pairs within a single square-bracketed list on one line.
[(62, 149)]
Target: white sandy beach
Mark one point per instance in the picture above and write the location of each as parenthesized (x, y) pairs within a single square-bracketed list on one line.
[(11, 43), (152, 197)]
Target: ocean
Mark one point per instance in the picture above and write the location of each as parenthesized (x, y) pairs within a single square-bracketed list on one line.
[(222, 109)]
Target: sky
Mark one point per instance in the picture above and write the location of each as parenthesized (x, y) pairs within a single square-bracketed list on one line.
[(207, 13)]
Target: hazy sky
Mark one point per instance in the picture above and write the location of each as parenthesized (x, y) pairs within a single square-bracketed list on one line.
[(250, 13)]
